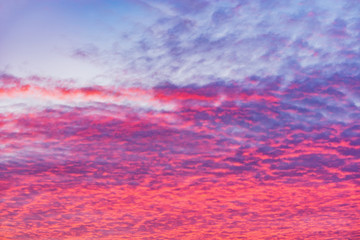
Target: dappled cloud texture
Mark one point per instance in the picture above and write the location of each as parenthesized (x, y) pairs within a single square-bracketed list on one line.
[(180, 119)]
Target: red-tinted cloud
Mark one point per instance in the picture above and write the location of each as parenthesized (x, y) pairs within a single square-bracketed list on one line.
[(227, 161)]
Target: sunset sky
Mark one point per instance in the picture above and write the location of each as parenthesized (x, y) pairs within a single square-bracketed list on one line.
[(179, 119)]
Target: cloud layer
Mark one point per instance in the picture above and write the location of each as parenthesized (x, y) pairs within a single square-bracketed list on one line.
[(223, 157), (180, 120), (149, 42)]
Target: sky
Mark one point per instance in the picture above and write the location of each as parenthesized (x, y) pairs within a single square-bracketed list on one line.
[(169, 119)]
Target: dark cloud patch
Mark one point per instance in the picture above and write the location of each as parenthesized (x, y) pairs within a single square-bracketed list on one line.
[(355, 167), (338, 28), (87, 52), (188, 6), (221, 16), (348, 151)]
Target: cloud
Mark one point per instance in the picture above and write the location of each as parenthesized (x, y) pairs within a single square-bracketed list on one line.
[(155, 172), (200, 42), (293, 41), (206, 117)]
